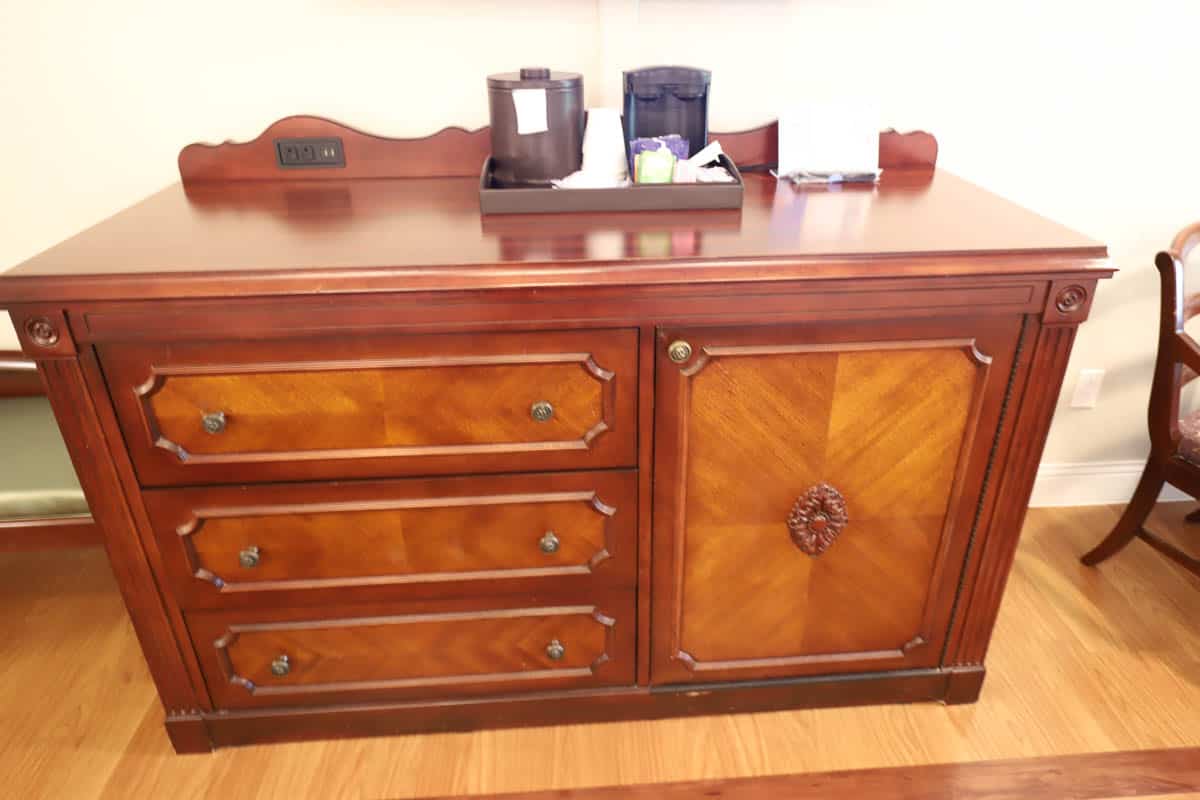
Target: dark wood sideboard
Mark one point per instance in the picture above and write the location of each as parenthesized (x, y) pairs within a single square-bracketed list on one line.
[(368, 463)]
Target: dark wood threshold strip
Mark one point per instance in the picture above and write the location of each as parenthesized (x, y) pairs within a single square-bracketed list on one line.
[(1131, 773)]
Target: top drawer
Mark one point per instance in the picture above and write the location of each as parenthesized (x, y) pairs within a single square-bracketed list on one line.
[(386, 405)]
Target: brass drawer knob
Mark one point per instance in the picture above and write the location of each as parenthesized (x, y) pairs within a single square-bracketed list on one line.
[(248, 558), (281, 665), (541, 411), (213, 422), (555, 650), (548, 542), (679, 351)]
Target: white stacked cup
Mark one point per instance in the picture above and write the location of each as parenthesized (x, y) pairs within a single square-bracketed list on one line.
[(604, 146)]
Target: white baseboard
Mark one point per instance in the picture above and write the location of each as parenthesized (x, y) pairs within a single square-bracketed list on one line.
[(1092, 483)]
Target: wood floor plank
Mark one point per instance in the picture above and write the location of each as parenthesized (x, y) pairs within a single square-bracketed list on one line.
[(73, 685), (1079, 777), (1084, 660)]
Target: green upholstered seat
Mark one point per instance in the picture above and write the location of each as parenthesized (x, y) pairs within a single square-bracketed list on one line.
[(36, 475)]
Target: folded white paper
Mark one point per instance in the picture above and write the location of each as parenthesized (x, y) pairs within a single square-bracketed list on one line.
[(829, 137), (707, 154), (530, 105)]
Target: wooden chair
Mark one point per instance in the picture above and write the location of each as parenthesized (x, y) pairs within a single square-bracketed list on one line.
[(41, 504), (1174, 442)]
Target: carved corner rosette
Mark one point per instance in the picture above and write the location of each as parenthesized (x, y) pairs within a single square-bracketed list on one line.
[(42, 332), (1069, 302), (1070, 299), (817, 518)]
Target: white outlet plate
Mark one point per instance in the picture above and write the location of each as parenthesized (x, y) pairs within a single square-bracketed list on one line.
[(1087, 388)]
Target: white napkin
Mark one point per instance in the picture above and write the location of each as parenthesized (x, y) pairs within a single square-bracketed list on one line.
[(591, 180), (604, 165), (604, 143)]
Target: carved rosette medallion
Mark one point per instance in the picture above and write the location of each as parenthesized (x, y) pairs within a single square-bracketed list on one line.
[(817, 518), (1070, 299), (41, 331)]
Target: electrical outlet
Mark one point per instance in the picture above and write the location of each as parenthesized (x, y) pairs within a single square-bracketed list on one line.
[(1087, 388), (310, 152)]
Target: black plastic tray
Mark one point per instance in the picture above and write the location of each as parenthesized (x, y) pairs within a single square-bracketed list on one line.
[(638, 197)]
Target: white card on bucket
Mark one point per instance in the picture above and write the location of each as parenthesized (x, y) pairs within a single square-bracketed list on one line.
[(531, 110)]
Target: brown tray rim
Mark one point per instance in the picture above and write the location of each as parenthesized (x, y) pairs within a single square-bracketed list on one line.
[(728, 192)]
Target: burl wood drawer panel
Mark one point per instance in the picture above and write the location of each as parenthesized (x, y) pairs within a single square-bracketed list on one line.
[(313, 543), (343, 654), (816, 488), (376, 405)]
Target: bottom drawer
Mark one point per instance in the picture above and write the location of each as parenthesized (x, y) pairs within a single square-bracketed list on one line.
[(356, 653)]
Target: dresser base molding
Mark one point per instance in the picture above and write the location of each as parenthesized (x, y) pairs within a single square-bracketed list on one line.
[(188, 733), (197, 733)]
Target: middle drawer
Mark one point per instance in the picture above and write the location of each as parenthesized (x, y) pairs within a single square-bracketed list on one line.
[(427, 538)]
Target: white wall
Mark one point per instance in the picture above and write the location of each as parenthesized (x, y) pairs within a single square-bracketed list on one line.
[(99, 97), (1077, 110)]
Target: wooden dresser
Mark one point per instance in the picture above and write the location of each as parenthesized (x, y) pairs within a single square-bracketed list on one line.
[(368, 463)]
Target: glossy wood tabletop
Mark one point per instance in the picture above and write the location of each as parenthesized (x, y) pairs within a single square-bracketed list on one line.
[(428, 233)]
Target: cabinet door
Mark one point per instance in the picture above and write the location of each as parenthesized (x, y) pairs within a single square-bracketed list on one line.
[(815, 489)]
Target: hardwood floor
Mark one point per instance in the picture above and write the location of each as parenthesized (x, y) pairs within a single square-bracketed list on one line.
[(1083, 661)]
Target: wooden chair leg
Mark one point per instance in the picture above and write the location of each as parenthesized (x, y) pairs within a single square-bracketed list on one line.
[(1130, 523)]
